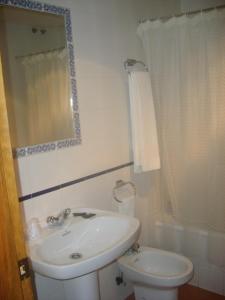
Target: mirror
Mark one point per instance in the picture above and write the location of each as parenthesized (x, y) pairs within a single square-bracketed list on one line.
[(39, 73)]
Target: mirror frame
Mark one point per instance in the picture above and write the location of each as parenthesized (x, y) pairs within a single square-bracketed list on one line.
[(65, 12)]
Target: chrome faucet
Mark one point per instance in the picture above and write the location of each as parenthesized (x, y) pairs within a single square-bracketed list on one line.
[(134, 249), (58, 220)]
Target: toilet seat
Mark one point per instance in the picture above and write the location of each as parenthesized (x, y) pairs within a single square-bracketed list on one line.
[(156, 268)]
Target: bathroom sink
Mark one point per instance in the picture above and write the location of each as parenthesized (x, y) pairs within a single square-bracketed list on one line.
[(81, 246)]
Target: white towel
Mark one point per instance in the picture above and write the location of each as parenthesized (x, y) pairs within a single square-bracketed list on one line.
[(143, 123)]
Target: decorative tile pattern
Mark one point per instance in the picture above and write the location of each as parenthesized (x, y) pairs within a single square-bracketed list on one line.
[(74, 94), (47, 147), (68, 26), (71, 59), (53, 9)]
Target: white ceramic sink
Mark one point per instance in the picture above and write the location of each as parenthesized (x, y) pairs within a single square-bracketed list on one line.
[(99, 240)]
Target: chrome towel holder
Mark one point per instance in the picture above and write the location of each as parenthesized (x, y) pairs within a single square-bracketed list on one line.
[(120, 183), (130, 63)]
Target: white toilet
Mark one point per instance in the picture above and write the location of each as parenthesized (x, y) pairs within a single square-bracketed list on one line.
[(156, 273)]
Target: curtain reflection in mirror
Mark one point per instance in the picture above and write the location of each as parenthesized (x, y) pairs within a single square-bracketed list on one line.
[(44, 78)]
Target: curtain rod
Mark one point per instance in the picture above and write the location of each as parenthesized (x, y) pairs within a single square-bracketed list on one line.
[(41, 52), (164, 18)]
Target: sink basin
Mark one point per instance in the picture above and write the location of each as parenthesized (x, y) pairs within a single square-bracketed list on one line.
[(81, 246)]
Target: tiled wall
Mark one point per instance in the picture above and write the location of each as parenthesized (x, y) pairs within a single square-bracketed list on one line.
[(104, 35), (101, 46)]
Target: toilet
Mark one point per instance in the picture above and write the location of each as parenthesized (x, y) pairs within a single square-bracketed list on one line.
[(156, 274)]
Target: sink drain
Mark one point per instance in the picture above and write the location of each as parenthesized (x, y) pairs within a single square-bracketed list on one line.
[(75, 255)]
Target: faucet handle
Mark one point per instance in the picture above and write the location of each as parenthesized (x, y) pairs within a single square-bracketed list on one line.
[(135, 247), (66, 212), (59, 220), (52, 220)]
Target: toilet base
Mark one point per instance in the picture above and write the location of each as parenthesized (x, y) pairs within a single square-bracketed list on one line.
[(150, 293)]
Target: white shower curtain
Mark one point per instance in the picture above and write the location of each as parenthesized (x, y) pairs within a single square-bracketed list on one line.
[(186, 60), (47, 97)]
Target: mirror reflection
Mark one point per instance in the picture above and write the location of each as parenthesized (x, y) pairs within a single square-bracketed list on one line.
[(35, 64)]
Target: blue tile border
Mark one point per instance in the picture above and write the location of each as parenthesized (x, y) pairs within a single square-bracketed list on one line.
[(65, 12), (72, 182)]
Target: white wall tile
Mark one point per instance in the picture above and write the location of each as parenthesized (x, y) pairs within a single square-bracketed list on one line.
[(216, 248), (211, 278), (195, 279), (23, 176), (100, 48), (154, 9), (204, 276), (43, 171), (95, 193), (42, 206), (195, 243), (104, 35)]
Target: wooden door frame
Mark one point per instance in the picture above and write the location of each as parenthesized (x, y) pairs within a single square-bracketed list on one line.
[(12, 243)]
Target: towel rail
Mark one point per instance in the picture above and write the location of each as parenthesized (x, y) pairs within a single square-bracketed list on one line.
[(130, 62), (119, 184)]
